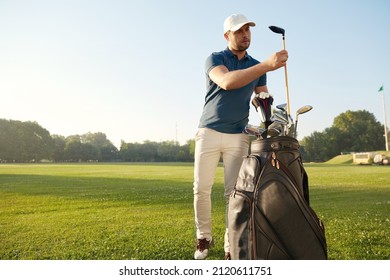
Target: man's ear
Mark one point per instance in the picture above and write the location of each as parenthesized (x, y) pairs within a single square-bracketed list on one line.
[(226, 35)]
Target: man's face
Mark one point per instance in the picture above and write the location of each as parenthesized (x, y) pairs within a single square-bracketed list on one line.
[(239, 40)]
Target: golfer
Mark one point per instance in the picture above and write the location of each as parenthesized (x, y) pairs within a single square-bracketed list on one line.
[(232, 76)]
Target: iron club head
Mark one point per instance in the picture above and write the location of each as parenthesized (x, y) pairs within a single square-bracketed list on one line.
[(254, 130), (275, 129), (282, 107), (279, 117)]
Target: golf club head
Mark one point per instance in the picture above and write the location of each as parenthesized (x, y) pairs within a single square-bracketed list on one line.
[(304, 109), (276, 29), (256, 104), (282, 107), (275, 129), (273, 132), (274, 124), (279, 117), (253, 130)]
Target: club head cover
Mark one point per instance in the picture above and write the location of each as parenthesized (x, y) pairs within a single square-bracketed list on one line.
[(265, 106)]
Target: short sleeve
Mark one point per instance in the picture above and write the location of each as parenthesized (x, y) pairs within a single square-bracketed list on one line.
[(215, 59), (262, 81)]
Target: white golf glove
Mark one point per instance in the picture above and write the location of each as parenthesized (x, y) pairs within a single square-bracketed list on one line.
[(263, 95)]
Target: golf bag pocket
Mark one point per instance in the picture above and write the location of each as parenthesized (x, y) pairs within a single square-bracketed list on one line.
[(240, 203), (249, 174), (239, 216)]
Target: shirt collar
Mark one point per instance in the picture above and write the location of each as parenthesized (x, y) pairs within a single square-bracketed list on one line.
[(229, 52)]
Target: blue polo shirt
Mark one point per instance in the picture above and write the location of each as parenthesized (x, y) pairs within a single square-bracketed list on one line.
[(227, 111)]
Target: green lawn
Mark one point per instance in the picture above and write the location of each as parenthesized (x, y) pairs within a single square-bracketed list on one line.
[(145, 211)]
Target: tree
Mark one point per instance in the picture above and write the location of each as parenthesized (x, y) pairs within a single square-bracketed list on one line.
[(38, 142), (130, 152), (168, 151), (352, 131), (108, 151), (90, 146), (148, 151), (191, 147), (24, 141), (58, 148), (8, 141), (76, 151), (360, 130)]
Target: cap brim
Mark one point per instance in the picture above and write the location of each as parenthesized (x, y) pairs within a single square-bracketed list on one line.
[(238, 26)]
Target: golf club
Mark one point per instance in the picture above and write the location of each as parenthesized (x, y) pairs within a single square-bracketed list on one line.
[(254, 130), (256, 104), (264, 109), (278, 118), (282, 107), (301, 111), (280, 30), (290, 126), (275, 129), (265, 105)]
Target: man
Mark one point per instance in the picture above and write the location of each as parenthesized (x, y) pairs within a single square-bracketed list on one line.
[(232, 77)]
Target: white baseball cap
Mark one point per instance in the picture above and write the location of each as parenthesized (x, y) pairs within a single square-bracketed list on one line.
[(235, 22)]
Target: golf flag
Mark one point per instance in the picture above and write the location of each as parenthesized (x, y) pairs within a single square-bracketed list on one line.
[(380, 89)]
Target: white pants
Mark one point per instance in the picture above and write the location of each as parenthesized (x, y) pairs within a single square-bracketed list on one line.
[(209, 146)]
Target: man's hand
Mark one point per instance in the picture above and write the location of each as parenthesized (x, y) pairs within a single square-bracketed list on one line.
[(263, 95), (276, 60)]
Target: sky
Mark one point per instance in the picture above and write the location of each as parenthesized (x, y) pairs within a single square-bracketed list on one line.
[(134, 69)]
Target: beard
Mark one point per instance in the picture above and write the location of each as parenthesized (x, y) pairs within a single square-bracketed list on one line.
[(242, 46)]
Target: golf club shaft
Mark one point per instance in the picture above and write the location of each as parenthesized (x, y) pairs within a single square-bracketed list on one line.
[(286, 79), (295, 128)]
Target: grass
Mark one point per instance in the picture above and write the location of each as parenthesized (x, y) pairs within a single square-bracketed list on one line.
[(145, 211), (341, 159), (354, 203)]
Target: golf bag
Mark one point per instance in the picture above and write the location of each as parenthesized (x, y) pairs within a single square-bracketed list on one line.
[(269, 212)]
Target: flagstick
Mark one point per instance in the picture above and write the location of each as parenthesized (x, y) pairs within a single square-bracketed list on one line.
[(384, 113)]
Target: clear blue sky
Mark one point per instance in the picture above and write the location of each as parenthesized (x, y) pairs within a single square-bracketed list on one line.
[(135, 69)]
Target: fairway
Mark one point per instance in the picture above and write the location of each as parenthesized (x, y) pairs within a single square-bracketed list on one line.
[(145, 211)]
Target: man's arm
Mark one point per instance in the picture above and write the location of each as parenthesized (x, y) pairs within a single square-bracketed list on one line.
[(229, 80)]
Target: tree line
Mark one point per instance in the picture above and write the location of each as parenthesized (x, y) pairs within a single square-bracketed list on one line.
[(352, 131), (29, 142)]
